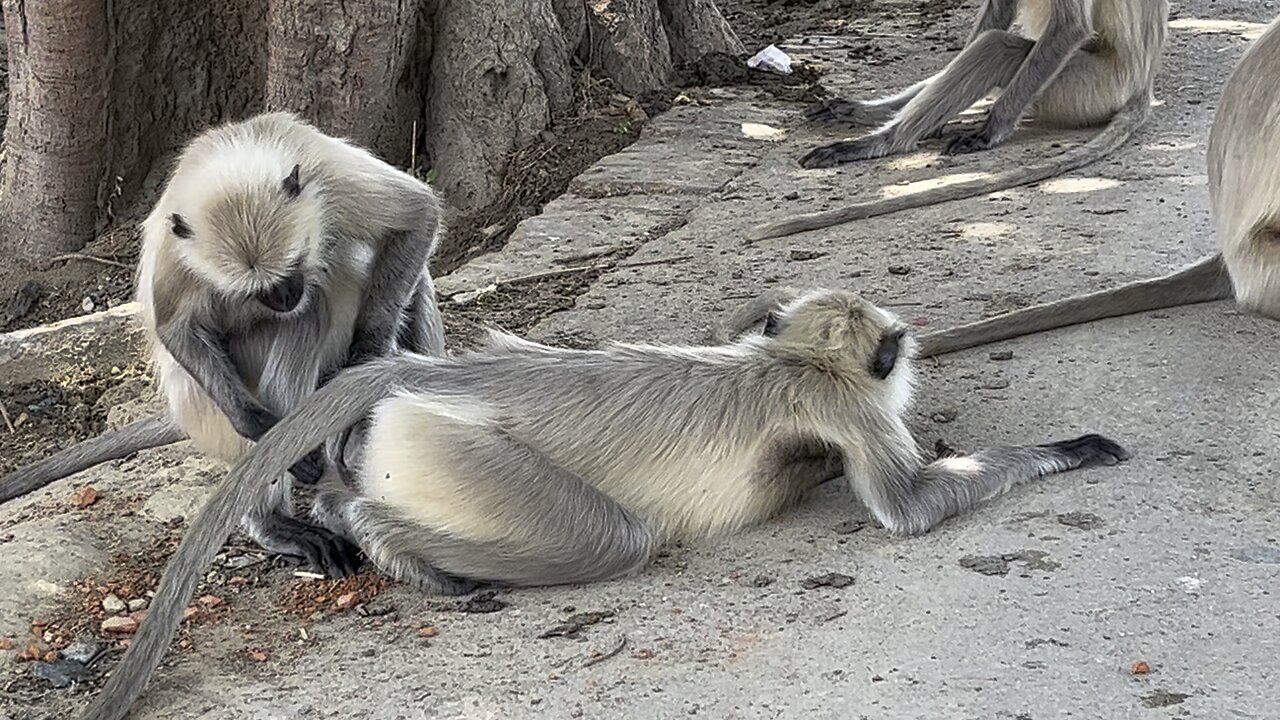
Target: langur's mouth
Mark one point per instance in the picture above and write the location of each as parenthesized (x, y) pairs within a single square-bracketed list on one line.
[(286, 295)]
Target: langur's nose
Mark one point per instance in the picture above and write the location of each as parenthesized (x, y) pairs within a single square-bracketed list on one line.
[(285, 295)]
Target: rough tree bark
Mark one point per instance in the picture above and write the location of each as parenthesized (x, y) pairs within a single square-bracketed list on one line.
[(353, 67), (102, 93), (55, 134)]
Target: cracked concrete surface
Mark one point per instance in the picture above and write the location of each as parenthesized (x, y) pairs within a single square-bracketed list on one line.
[(1034, 606)]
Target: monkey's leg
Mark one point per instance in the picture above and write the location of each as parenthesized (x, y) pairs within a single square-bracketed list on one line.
[(991, 61), (911, 503), (1064, 34), (994, 15), (458, 495)]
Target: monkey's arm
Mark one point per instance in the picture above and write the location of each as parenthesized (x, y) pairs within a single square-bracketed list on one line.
[(202, 352), (754, 311), (396, 271), (909, 498)]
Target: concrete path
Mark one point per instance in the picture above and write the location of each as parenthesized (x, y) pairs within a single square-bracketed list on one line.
[(1037, 606)]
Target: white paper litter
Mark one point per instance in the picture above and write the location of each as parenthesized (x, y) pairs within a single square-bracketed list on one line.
[(772, 60), (759, 131)]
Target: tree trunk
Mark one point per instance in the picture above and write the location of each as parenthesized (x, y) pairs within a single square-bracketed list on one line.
[(99, 94), (55, 136), (102, 93), (499, 73), (350, 67)]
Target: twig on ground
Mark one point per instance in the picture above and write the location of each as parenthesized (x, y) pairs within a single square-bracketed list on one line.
[(7, 422), (597, 659), (570, 271), (92, 258)]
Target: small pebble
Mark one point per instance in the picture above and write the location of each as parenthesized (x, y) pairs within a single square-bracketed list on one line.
[(834, 580), (849, 527), (899, 269), (82, 651), (996, 384), (86, 304), (60, 673), (1001, 355), (114, 605), (137, 604), (120, 625)]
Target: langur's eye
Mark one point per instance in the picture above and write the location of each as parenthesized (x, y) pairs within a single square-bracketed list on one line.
[(180, 226)]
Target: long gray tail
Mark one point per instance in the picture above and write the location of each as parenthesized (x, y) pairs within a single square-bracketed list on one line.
[(143, 434), (324, 413), (1205, 281), (1120, 128), (755, 310)]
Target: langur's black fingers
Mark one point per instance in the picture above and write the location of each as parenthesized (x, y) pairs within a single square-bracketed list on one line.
[(820, 111), (835, 154), (346, 557), (1090, 450), (838, 110), (328, 554), (969, 143), (309, 469), (256, 422)]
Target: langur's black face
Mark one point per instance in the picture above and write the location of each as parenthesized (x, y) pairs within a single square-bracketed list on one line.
[(285, 295), (256, 242), (886, 354)]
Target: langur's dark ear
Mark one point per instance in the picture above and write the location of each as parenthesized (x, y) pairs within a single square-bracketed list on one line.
[(292, 185), (772, 324), (180, 226)]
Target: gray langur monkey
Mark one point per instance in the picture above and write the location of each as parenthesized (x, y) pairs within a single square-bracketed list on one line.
[(275, 256), (526, 464), (1244, 198), (1078, 63)]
